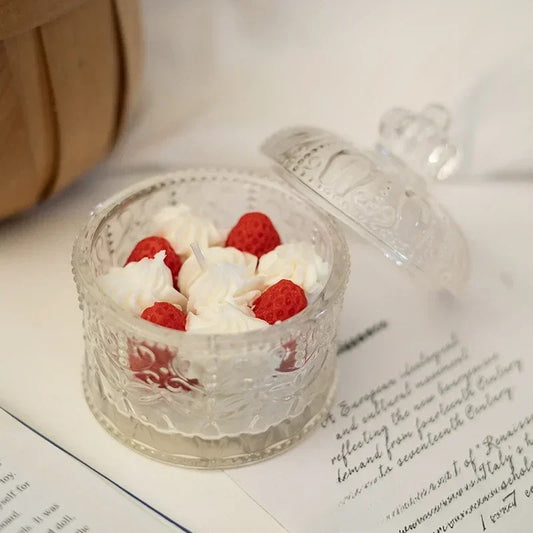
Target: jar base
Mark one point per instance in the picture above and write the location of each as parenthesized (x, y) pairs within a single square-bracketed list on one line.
[(197, 452)]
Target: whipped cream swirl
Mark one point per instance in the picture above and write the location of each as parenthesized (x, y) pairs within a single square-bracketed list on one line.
[(224, 283), (223, 318), (138, 285), (180, 226), (297, 262), (191, 270)]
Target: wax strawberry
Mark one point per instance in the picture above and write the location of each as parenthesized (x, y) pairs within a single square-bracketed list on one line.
[(280, 302), (254, 233), (165, 314), (150, 246)]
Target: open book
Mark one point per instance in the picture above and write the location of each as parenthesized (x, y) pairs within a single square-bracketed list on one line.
[(45, 490)]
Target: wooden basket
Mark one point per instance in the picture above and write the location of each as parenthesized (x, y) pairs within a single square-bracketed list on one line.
[(69, 71)]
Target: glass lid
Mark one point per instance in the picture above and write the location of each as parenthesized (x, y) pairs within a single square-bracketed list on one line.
[(383, 193)]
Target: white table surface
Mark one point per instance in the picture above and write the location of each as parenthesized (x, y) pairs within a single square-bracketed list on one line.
[(219, 77)]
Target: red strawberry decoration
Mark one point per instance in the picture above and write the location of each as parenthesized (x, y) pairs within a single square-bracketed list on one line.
[(165, 314), (254, 233), (152, 365), (150, 246), (280, 302)]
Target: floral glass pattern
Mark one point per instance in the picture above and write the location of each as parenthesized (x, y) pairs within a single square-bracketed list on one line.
[(207, 401)]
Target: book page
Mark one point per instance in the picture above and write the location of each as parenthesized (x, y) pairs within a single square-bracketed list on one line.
[(44, 490), (432, 426)]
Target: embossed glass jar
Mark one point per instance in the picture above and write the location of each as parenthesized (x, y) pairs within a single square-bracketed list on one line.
[(227, 399)]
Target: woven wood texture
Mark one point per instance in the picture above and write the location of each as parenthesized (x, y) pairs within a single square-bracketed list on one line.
[(69, 73)]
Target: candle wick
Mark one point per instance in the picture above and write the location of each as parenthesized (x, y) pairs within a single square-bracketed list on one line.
[(200, 257)]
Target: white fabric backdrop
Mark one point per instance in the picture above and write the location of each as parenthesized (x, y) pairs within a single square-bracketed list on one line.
[(239, 70)]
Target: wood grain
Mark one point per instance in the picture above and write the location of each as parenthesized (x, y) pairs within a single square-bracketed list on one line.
[(18, 16), (83, 61), (29, 76), (65, 88), (21, 182)]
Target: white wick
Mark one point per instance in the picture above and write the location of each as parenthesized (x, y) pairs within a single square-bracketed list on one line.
[(200, 257)]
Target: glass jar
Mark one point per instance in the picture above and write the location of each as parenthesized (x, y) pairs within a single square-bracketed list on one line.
[(216, 400)]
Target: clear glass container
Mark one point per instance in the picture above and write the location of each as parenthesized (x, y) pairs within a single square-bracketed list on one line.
[(216, 400)]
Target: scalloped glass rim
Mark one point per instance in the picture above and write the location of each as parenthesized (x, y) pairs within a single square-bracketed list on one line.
[(83, 273)]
